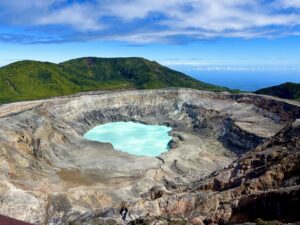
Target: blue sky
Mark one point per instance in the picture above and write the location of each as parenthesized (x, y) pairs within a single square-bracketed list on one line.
[(203, 35)]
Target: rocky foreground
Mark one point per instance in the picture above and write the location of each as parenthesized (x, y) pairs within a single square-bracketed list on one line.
[(233, 159)]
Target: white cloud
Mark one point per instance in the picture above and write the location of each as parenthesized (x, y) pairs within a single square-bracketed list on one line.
[(82, 17), (236, 68), (290, 3), (213, 16), (197, 19), (269, 64)]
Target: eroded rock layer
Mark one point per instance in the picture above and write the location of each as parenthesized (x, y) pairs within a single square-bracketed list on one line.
[(230, 155)]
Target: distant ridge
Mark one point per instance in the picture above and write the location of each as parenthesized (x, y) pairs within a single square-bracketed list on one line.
[(287, 90), (28, 80)]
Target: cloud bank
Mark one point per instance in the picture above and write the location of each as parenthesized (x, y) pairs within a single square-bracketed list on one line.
[(144, 21)]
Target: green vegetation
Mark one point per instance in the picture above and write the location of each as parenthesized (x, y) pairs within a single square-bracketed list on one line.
[(28, 80), (286, 90)]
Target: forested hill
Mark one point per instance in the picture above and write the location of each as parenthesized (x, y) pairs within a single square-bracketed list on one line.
[(27, 80), (287, 90)]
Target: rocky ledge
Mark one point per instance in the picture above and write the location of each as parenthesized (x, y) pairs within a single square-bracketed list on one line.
[(234, 158)]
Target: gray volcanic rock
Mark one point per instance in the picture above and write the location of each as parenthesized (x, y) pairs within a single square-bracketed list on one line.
[(263, 183), (52, 175)]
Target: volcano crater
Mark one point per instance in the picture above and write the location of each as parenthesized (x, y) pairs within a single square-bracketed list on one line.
[(64, 176)]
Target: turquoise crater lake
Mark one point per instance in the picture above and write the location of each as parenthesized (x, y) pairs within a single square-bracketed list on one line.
[(134, 138)]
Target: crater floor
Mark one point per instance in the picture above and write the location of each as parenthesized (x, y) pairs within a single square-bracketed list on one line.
[(52, 175)]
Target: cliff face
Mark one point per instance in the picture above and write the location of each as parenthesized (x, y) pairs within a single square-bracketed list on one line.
[(234, 154), (263, 183)]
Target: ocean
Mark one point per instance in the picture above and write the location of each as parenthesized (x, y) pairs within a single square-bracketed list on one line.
[(244, 80)]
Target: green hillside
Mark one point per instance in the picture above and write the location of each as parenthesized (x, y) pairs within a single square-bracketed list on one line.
[(287, 90), (27, 80)]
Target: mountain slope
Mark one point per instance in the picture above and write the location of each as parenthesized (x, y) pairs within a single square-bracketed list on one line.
[(287, 90), (26, 80)]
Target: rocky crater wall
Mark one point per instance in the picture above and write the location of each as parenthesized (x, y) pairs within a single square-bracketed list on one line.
[(52, 175), (241, 120)]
